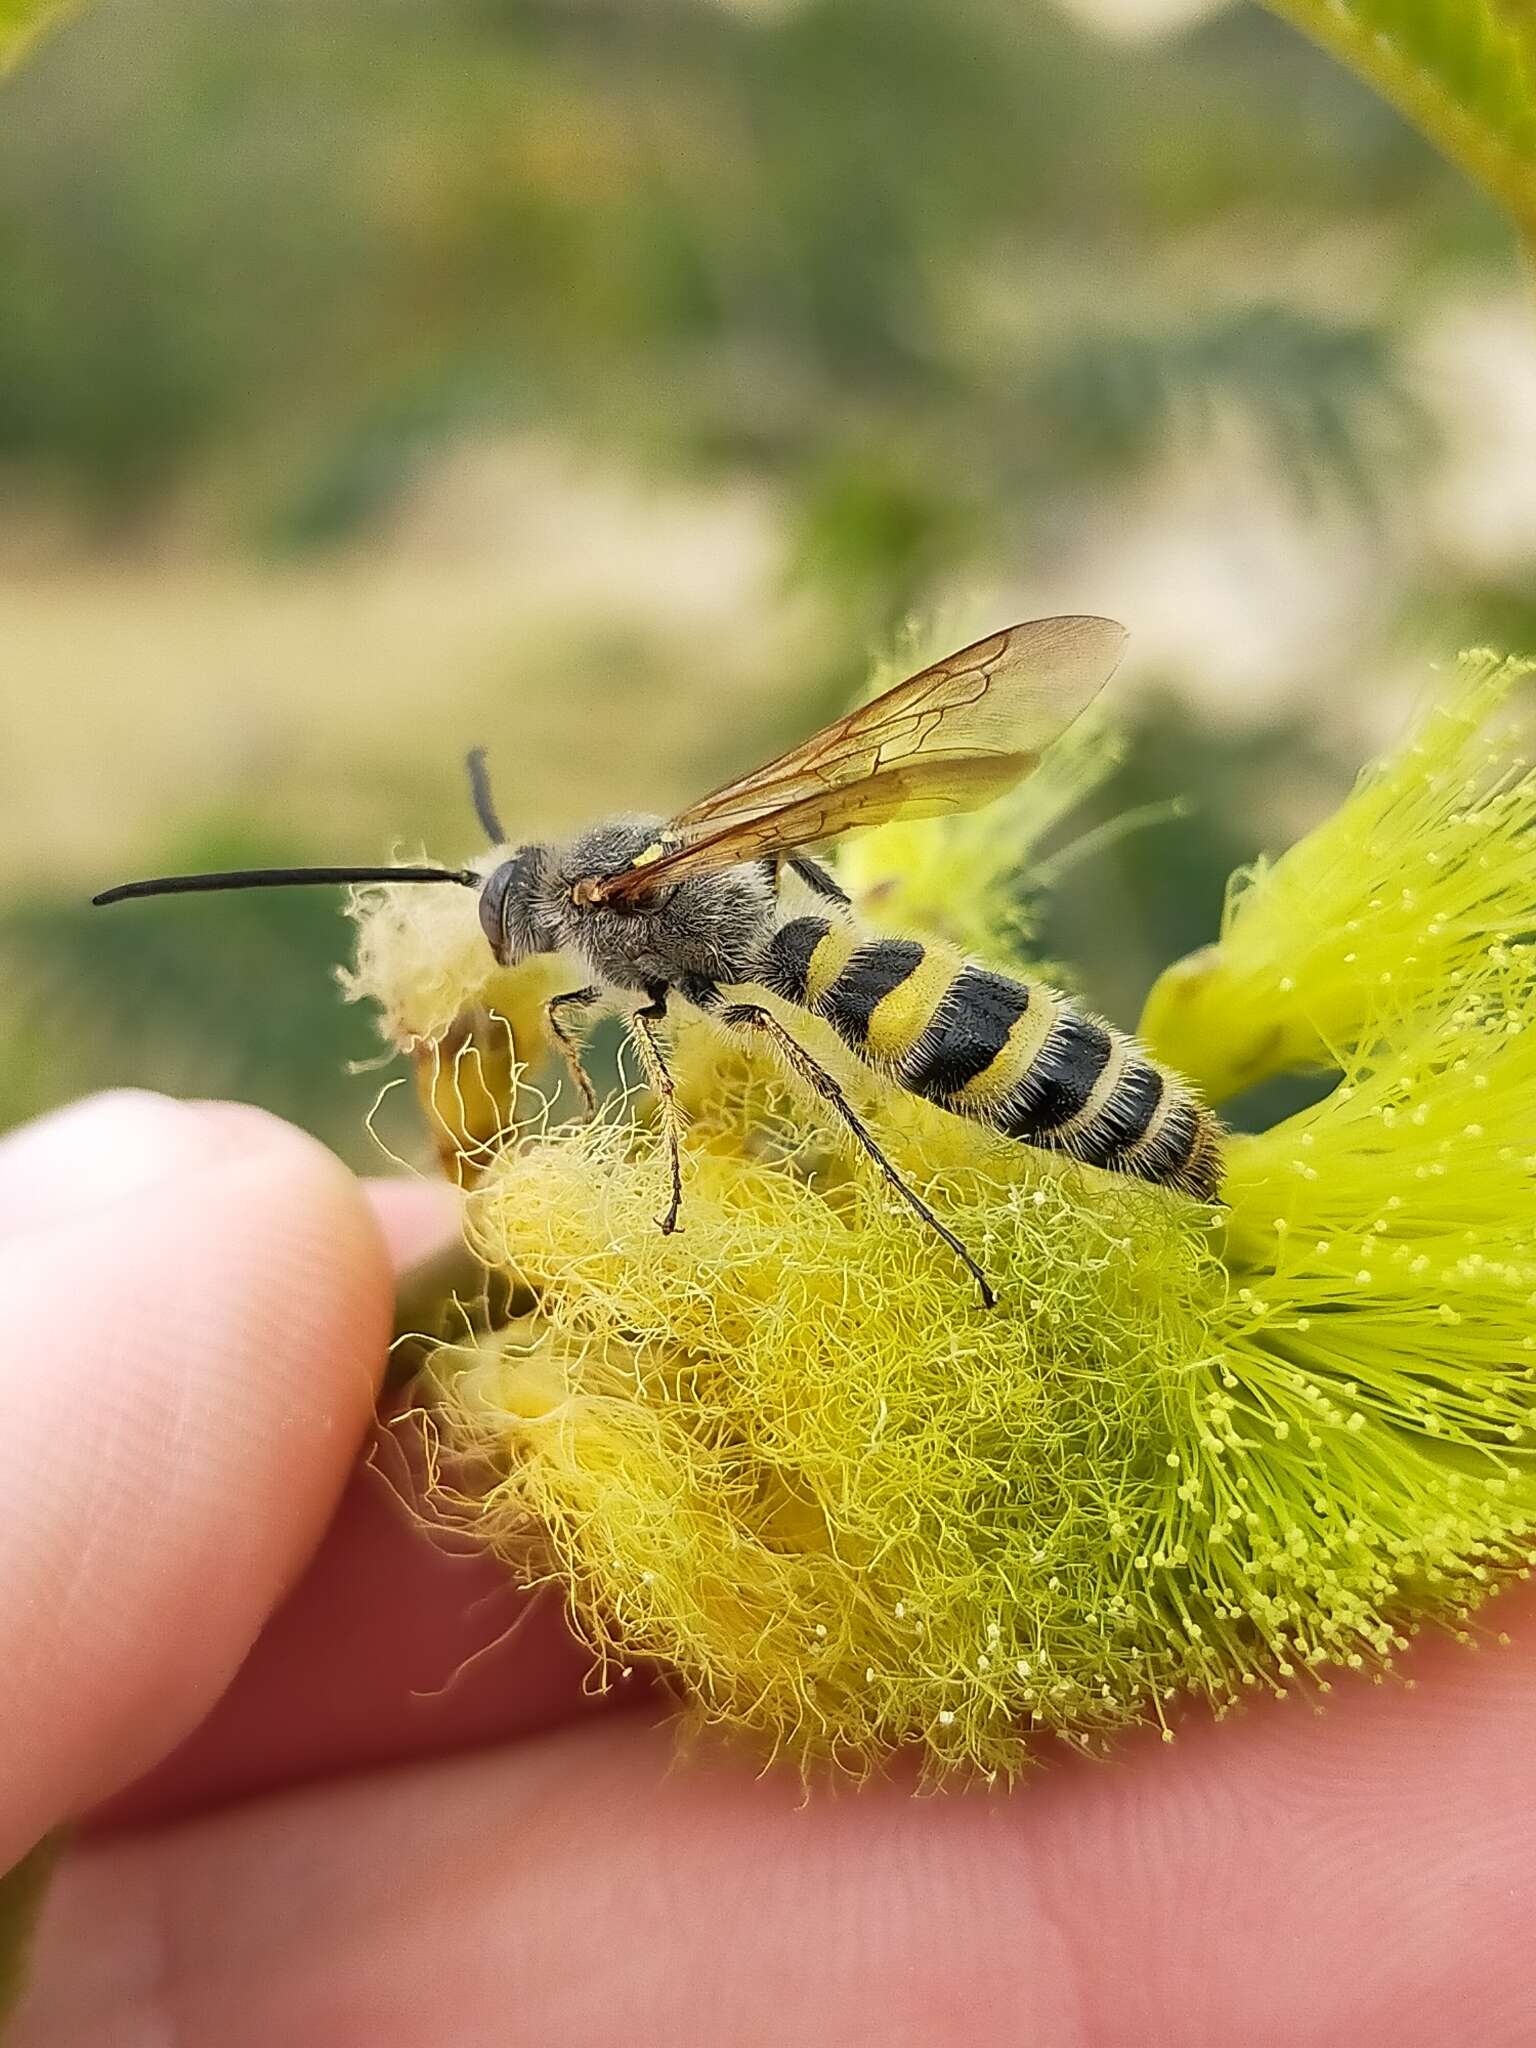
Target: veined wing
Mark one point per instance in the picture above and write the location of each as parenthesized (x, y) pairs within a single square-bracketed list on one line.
[(951, 738), (1010, 694)]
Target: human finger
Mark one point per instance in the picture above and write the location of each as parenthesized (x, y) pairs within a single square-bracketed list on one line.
[(396, 1643), (196, 1313)]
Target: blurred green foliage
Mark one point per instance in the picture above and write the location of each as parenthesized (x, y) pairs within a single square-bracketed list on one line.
[(230, 995), (726, 240), (940, 277)]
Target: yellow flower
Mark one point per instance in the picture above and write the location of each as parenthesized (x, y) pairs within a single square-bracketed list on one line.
[(1375, 913), (787, 1456)]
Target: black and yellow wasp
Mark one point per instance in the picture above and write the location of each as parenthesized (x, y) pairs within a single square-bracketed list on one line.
[(692, 909)]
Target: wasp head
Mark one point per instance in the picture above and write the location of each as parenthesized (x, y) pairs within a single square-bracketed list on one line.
[(516, 907)]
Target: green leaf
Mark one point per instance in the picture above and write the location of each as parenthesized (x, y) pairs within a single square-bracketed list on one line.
[(1463, 70)]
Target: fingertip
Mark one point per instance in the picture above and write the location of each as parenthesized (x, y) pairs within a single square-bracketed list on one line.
[(100, 1150), (189, 1368), (417, 1217)]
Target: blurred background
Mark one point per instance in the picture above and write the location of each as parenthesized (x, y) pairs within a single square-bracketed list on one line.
[(610, 381)]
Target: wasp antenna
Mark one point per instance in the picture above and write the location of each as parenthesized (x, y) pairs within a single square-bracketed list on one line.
[(485, 803), (281, 878)]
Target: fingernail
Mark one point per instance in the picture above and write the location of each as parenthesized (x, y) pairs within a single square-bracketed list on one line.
[(108, 1147)]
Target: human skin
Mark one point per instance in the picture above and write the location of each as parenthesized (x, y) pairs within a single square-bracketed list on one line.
[(309, 1819)]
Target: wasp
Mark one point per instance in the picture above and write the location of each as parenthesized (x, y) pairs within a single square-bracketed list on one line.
[(693, 909)]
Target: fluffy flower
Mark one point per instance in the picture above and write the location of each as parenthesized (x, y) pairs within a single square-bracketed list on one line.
[(787, 1457)]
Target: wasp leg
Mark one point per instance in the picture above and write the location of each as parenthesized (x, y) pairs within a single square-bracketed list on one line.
[(753, 1017), (699, 990), (566, 1045), (643, 1023), (816, 877)]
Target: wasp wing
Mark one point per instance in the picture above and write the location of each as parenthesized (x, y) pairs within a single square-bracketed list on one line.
[(948, 739)]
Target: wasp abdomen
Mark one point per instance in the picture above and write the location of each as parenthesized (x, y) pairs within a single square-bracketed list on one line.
[(1010, 1054), (966, 1033), (1059, 1086), (872, 974)]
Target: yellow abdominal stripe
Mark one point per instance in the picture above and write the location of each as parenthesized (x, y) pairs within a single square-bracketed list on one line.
[(900, 1019), (1020, 1051), (1103, 1090), (831, 956), (1167, 1102)]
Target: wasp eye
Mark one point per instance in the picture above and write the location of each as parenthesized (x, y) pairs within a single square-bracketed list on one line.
[(493, 905)]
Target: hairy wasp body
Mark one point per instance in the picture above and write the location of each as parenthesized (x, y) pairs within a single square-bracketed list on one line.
[(690, 906)]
